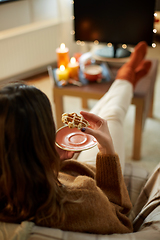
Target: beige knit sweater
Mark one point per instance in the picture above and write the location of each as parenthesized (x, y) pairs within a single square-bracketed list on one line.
[(103, 202)]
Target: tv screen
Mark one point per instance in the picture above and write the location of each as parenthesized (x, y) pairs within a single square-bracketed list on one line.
[(114, 21), (6, 1)]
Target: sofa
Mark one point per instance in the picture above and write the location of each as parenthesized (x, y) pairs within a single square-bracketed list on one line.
[(144, 191)]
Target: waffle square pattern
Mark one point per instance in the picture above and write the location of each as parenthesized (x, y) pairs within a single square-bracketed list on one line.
[(73, 120)]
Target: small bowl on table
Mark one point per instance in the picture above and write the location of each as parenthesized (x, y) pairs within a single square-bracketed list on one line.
[(93, 72)]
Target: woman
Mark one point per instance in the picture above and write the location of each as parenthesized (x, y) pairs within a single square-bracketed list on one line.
[(38, 184)]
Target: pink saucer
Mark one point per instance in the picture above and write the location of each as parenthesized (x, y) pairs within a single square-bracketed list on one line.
[(72, 139)]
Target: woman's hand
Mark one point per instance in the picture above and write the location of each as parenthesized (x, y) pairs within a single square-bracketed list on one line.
[(99, 129), (64, 155)]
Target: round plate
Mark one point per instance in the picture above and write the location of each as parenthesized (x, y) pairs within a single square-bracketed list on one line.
[(72, 139)]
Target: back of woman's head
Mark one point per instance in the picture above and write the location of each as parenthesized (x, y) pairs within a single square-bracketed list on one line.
[(29, 163)]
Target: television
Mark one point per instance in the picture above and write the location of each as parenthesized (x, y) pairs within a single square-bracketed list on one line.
[(114, 22), (7, 1)]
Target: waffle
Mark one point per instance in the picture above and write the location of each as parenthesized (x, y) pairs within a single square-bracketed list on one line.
[(74, 121)]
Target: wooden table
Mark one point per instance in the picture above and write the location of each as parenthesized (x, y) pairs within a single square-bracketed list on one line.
[(142, 99)]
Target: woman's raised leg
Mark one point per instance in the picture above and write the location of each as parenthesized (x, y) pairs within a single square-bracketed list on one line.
[(114, 104)]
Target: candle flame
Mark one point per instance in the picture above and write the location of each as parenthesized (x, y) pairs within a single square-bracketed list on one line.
[(62, 67), (73, 60), (62, 46)]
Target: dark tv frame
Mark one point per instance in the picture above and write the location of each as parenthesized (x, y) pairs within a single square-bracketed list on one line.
[(86, 10), (7, 1)]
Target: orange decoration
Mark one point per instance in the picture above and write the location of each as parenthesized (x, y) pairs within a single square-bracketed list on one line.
[(62, 55), (73, 67)]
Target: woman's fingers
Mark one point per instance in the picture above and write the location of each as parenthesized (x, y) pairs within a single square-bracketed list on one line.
[(64, 155), (99, 129), (90, 116), (94, 120), (101, 136), (104, 140)]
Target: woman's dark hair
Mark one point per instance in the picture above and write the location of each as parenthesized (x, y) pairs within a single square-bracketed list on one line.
[(29, 162)]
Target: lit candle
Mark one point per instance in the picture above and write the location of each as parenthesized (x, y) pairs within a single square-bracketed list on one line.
[(62, 55), (62, 73), (73, 67)]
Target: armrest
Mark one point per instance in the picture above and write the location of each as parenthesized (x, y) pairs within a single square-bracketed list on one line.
[(135, 178)]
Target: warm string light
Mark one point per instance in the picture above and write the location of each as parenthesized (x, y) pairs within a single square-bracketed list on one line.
[(124, 46), (154, 45), (155, 31), (109, 44), (155, 14), (72, 32), (72, 18), (96, 42), (78, 42), (81, 43)]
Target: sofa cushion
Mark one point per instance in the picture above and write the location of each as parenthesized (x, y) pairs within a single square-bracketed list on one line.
[(135, 178), (153, 217), (11, 231), (148, 200), (149, 232), (18, 232)]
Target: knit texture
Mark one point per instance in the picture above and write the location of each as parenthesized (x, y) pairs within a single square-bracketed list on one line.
[(137, 66), (102, 199)]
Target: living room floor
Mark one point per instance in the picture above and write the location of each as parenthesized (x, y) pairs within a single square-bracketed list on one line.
[(151, 134)]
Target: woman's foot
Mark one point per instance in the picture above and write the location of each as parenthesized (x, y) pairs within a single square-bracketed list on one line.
[(137, 55), (142, 70), (136, 67)]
